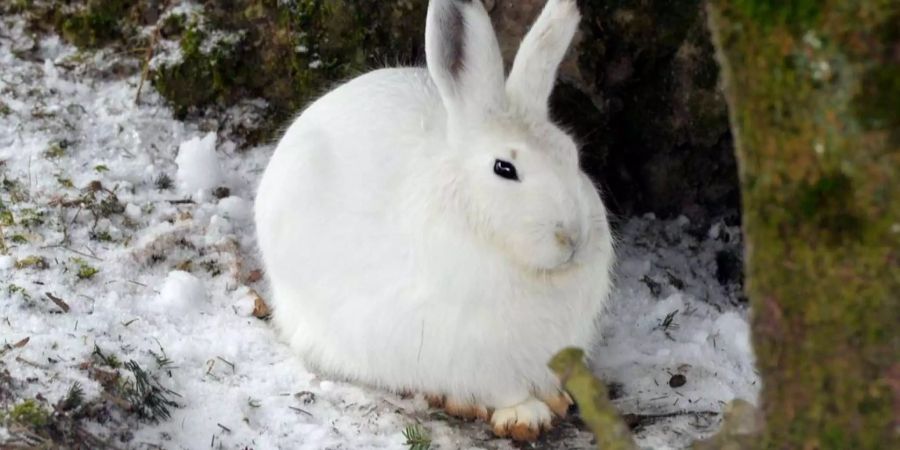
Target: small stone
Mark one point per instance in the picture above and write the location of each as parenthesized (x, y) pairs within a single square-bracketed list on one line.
[(678, 380), (222, 192)]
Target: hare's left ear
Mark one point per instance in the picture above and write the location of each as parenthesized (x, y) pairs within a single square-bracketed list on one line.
[(542, 50)]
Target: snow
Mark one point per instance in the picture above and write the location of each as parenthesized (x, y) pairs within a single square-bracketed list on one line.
[(235, 208), (173, 278), (182, 295), (199, 171)]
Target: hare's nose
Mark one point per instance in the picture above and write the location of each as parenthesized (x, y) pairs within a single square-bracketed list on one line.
[(564, 239), (567, 236)]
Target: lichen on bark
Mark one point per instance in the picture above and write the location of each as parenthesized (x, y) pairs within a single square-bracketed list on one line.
[(809, 86)]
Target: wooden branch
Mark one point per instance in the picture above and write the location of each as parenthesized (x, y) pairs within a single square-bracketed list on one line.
[(594, 405)]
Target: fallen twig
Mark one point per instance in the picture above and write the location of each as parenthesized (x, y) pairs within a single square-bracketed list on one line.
[(146, 69), (593, 401), (301, 411), (18, 344), (640, 420), (31, 363)]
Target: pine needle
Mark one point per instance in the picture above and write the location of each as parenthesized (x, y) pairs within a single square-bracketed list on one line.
[(162, 361), (108, 360), (417, 438), (148, 398), (74, 398)]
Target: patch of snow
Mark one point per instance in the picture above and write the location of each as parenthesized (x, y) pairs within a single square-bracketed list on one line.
[(235, 208), (133, 211), (182, 293), (199, 171)]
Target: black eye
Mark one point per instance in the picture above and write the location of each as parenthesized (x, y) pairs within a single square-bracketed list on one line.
[(505, 169)]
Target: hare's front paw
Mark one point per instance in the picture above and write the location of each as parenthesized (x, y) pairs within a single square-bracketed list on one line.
[(522, 422), (559, 403)]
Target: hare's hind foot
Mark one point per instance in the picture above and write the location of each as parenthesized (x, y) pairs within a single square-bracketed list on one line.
[(524, 421), (467, 410), (461, 409), (435, 401)]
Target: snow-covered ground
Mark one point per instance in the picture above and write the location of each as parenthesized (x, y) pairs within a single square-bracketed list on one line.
[(126, 230)]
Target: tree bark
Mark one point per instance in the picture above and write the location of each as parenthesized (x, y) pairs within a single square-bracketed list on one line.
[(814, 95)]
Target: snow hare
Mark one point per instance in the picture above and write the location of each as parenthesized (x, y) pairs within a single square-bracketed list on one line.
[(430, 230)]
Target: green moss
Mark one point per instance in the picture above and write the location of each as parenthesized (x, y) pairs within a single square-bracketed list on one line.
[(827, 204), (285, 52), (16, 6), (102, 236), (6, 218), (85, 270), (13, 289), (99, 23), (33, 261), (56, 150), (65, 181), (30, 218), (878, 99), (797, 14), (14, 188), (191, 82), (29, 413), (173, 25)]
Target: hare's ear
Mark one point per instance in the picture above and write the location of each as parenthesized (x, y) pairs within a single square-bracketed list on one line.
[(542, 50), (464, 58)]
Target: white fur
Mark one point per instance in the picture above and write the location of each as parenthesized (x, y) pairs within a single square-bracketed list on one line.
[(397, 258), (533, 72)]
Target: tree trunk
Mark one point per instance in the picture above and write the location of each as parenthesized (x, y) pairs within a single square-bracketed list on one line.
[(814, 95)]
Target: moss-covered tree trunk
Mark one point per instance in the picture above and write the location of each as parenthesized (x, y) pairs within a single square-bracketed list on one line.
[(814, 93)]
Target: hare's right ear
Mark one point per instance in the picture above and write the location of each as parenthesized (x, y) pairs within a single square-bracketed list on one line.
[(464, 58), (542, 50)]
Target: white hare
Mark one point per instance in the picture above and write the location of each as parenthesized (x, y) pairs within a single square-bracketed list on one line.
[(431, 230)]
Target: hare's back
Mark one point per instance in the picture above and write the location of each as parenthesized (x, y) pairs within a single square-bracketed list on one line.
[(327, 203), (386, 107)]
